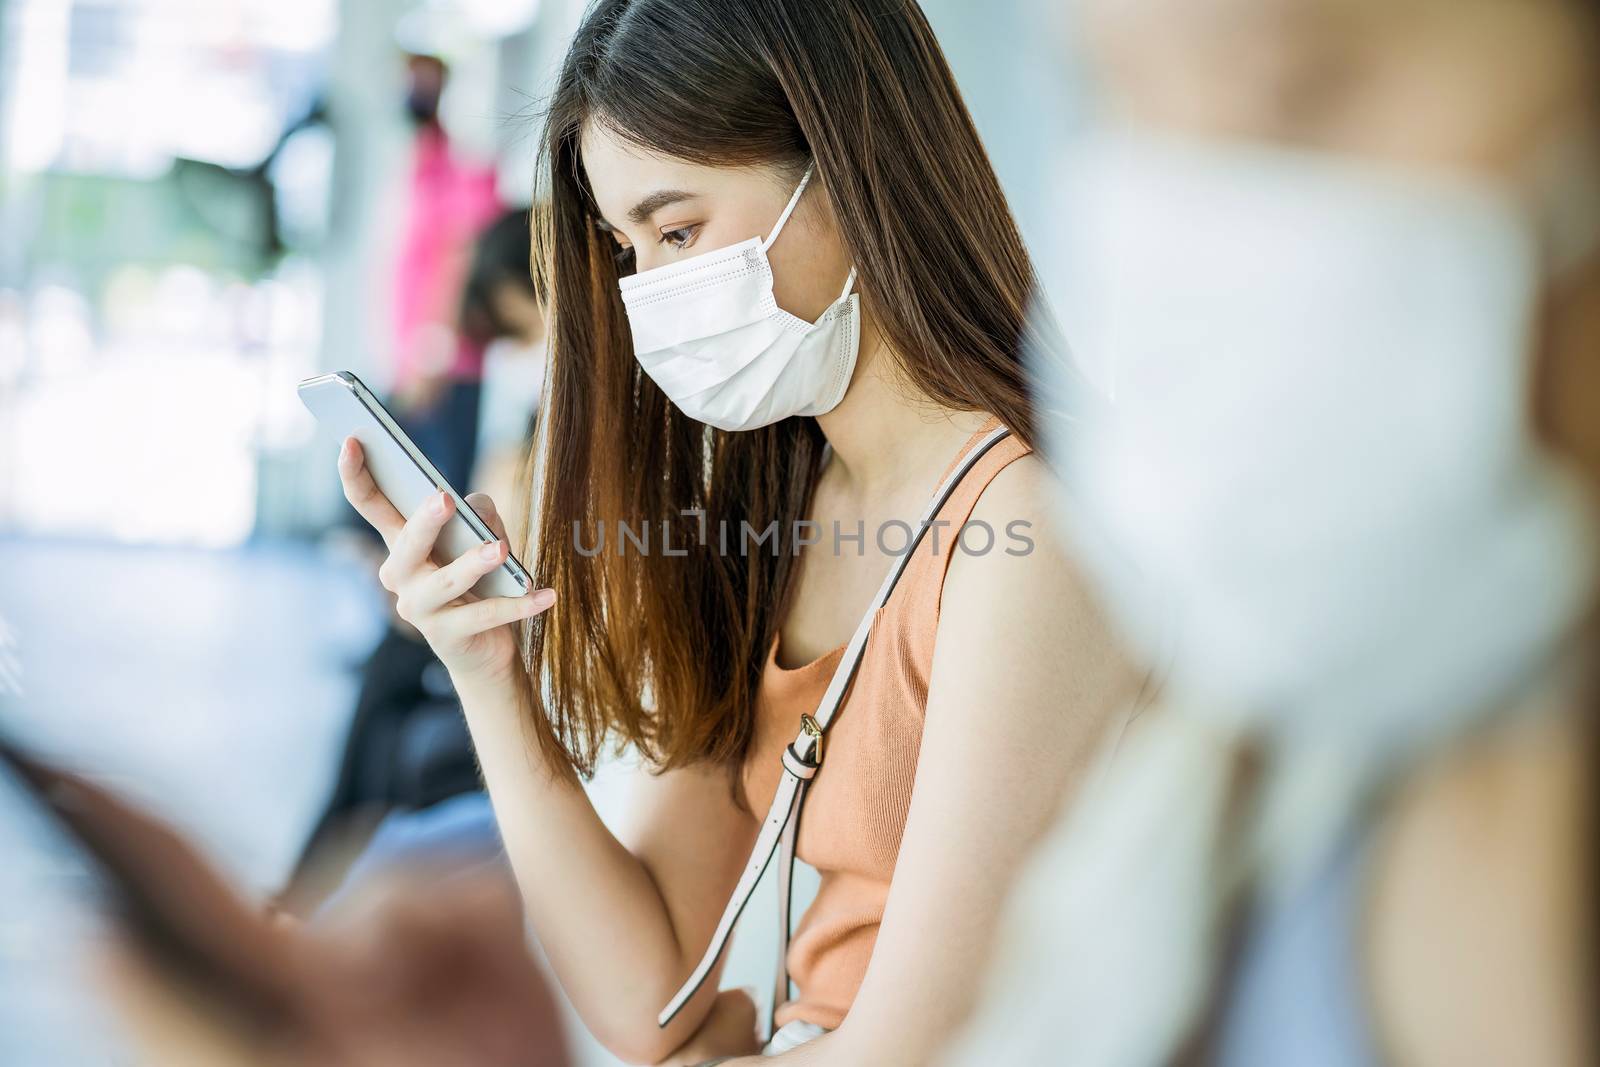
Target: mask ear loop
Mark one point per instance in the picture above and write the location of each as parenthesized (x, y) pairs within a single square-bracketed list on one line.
[(849, 283), (788, 208)]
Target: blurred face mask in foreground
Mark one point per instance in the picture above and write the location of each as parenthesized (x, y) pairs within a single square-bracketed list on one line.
[(711, 335), (1317, 469), (1315, 500)]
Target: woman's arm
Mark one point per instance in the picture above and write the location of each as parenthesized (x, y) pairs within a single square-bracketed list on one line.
[(621, 922), (1027, 684), (622, 918)]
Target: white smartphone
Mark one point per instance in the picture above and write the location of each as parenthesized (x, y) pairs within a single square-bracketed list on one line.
[(344, 407)]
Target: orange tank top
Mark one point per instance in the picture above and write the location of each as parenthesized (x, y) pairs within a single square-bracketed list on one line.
[(855, 809)]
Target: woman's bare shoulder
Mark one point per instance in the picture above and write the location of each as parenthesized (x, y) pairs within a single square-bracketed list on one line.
[(1022, 499), (1020, 507)]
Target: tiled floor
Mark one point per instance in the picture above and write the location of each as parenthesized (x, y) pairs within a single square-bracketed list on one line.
[(215, 687)]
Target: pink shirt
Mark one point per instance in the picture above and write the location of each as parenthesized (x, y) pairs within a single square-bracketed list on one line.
[(451, 201)]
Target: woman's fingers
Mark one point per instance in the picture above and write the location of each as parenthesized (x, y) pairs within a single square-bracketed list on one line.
[(456, 577), (414, 544), (468, 620), (364, 494), (483, 504)]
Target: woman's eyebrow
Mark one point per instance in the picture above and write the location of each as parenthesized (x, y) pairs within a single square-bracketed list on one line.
[(641, 212)]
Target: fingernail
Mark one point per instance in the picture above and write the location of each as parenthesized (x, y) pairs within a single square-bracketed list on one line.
[(490, 551), (441, 503), (542, 599)]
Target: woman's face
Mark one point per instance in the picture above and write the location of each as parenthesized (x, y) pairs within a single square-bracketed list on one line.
[(666, 210)]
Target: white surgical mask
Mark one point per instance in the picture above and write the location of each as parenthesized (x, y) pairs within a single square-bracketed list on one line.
[(709, 332), (1318, 456)]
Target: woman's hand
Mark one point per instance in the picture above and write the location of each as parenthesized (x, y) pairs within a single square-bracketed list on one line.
[(730, 1030), (469, 634)]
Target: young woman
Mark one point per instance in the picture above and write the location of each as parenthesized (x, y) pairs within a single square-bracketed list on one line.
[(784, 289)]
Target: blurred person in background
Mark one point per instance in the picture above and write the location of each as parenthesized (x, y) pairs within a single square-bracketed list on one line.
[(438, 365), (1348, 264), (501, 309), (407, 750), (691, 375), (405, 747)]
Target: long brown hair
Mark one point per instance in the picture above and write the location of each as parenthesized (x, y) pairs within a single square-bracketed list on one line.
[(665, 652)]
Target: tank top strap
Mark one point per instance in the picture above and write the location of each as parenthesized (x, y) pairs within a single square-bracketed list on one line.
[(924, 574), (976, 480)]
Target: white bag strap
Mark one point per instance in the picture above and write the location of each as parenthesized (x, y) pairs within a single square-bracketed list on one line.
[(800, 762)]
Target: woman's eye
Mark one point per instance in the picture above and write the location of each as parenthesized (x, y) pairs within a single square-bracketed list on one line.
[(680, 237)]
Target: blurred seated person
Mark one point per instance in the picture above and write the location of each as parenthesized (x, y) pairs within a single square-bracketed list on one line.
[(501, 309), (408, 749)]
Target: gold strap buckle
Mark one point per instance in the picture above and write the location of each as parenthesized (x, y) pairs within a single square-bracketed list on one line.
[(811, 728)]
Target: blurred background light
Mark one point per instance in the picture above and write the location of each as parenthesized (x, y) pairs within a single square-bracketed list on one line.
[(126, 86)]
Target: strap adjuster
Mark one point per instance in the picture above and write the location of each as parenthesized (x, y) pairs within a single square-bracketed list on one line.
[(805, 766), (802, 767), (813, 729)]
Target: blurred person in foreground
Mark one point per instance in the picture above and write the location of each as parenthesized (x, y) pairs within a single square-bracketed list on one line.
[(1343, 260), (425, 966), (419, 969)]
